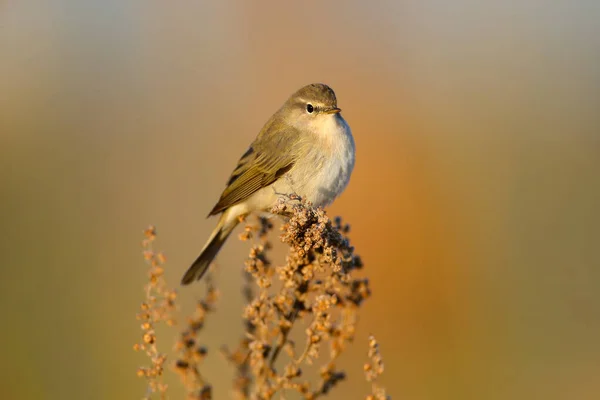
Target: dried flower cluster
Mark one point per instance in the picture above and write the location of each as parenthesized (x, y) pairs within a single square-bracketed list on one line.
[(158, 307), (313, 290), (373, 369), (313, 296), (191, 353)]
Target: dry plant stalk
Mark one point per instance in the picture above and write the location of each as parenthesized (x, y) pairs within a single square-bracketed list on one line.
[(158, 307), (191, 352), (314, 293), (314, 289), (373, 369)]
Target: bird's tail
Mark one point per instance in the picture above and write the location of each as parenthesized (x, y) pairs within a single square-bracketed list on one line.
[(210, 250)]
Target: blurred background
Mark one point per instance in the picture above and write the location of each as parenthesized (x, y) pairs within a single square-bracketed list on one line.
[(474, 201)]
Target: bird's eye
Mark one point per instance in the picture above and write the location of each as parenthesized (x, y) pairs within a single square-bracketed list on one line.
[(310, 108)]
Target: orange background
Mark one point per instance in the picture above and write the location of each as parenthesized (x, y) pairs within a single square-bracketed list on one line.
[(474, 201)]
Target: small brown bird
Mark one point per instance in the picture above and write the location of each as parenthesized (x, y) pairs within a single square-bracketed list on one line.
[(306, 148)]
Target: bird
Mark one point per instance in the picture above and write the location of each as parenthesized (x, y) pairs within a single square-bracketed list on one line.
[(306, 149)]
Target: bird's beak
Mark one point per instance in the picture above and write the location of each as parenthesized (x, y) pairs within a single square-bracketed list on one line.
[(334, 110)]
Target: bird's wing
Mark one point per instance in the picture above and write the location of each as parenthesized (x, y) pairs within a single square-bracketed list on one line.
[(268, 158)]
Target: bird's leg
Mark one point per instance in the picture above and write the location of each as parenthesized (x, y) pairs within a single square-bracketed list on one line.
[(286, 203)]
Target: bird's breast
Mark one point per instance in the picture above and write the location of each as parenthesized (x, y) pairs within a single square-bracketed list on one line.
[(323, 174)]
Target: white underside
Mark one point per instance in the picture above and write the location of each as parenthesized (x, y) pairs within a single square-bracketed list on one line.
[(319, 177)]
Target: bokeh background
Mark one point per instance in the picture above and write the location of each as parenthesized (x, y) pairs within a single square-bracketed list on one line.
[(474, 201)]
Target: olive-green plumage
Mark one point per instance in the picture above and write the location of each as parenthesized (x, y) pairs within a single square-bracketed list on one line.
[(260, 166)]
